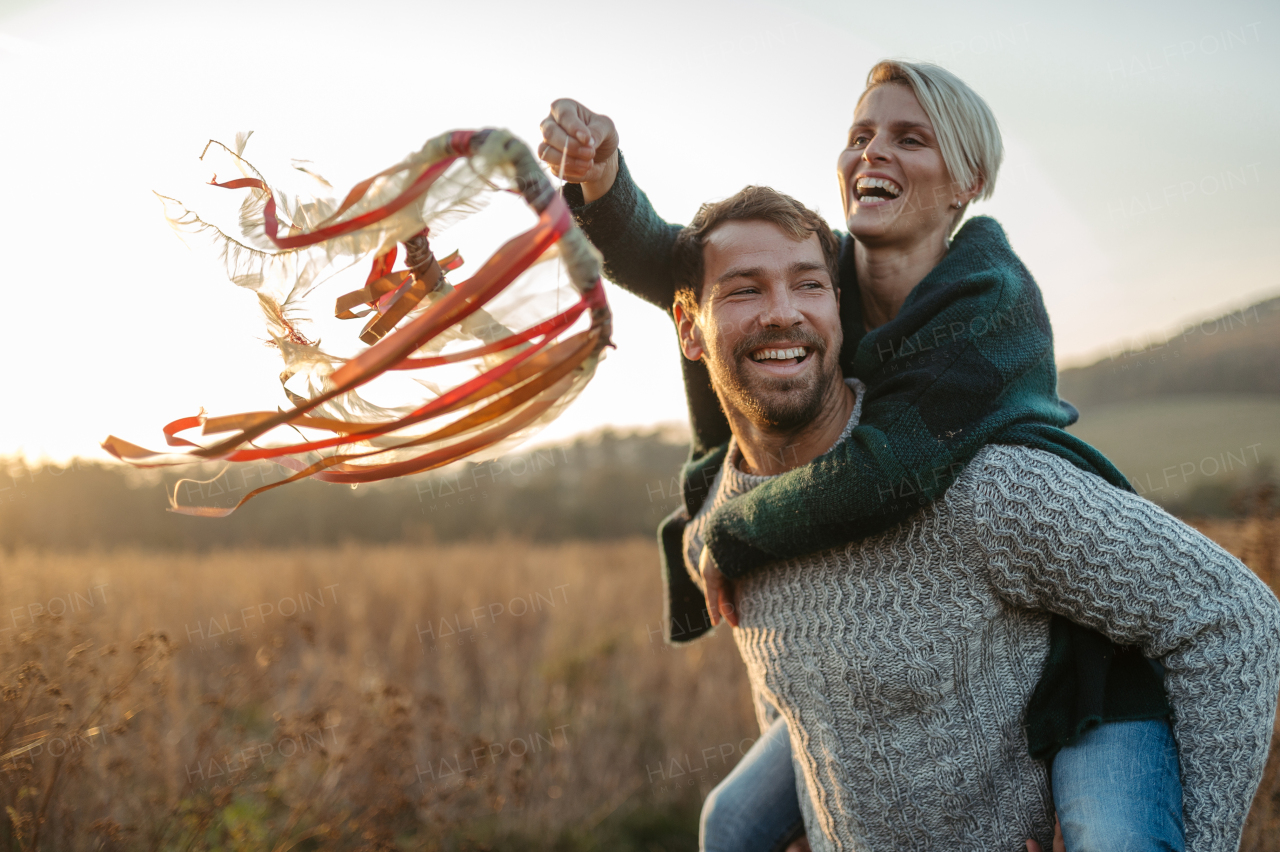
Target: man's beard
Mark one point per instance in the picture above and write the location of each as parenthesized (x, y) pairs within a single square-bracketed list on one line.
[(781, 404)]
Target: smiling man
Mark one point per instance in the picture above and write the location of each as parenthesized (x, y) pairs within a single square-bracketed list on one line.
[(902, 663), (780, 382)]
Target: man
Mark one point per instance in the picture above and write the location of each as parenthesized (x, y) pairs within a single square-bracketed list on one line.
[(903, 663)]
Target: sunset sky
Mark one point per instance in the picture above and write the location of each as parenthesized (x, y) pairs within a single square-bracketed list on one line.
[(1140, 183)]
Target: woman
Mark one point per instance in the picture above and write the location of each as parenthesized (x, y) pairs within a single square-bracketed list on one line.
[(956, 353)]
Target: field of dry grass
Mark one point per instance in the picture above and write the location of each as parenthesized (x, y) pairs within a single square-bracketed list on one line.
[(500, 696), (1256, 541), (483, 696)]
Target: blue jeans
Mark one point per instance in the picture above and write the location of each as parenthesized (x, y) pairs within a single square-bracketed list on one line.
[(755, 808), (1117, 789)]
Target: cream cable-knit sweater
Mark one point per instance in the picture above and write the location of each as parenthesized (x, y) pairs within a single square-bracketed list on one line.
[(903, 663)]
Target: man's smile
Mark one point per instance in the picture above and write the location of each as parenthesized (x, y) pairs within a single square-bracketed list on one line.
[(782, 360)]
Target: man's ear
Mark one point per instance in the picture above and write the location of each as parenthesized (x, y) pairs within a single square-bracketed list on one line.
[(690, 334)]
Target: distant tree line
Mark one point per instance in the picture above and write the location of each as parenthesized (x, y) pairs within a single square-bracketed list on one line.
[(600, 487), (605, 486)]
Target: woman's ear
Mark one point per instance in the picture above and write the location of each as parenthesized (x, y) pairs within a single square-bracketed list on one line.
[(690, 334), (971, 193)]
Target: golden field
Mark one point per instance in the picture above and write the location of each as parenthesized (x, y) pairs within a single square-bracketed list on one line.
[(498, 695), (503, 695)]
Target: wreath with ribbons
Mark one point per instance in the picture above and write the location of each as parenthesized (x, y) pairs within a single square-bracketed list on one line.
[(417, 320)]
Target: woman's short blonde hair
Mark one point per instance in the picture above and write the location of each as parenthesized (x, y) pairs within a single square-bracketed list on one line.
[(966, 129)]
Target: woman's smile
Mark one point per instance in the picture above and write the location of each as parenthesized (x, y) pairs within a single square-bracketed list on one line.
[(872, 189)]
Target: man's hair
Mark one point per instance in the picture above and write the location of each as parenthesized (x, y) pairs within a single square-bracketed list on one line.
[(752, 203), (968, 135)]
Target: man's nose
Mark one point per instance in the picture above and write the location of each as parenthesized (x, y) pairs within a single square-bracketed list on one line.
[(780, 310)]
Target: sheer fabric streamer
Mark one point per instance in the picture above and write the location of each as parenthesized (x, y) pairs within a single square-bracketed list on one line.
[(493, 369)]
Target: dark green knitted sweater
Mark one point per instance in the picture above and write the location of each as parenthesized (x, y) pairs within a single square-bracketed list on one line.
[(968, 361)]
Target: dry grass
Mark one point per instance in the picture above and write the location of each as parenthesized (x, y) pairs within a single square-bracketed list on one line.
[(358, 721), (1256, 541), (180, 702)]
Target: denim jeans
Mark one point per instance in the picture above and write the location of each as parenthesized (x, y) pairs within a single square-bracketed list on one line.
[(755, 808), (1116, 790)]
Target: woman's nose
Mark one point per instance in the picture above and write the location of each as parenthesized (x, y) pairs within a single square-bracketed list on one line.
[(877, 150)]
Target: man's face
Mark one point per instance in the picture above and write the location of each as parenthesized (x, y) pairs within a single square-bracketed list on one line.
[(768, 324)]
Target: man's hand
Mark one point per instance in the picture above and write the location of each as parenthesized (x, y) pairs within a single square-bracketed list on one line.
[(1059, 845), (722, 596), (584, 142)]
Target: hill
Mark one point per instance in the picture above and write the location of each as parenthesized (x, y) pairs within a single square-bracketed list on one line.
[(1237, 353), (1193, 421)]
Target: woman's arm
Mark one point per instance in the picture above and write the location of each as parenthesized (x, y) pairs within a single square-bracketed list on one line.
[(582, 147), (1055, 538), (635, 241)]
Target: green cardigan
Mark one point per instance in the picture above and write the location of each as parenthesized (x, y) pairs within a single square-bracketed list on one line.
[(968, 361)]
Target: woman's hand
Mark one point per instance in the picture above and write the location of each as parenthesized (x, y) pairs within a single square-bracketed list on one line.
[(585, 142), (722, 596), (1059, 845)]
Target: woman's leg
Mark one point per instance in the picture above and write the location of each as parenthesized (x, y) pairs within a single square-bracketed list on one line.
[(754, 809), (1118, 789)]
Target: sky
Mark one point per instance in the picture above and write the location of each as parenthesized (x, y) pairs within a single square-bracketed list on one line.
[(1139, 185)]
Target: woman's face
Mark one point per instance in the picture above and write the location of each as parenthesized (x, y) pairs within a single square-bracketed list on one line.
[(895, 185)]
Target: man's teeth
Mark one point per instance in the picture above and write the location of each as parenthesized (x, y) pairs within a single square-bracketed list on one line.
[(779, 354)]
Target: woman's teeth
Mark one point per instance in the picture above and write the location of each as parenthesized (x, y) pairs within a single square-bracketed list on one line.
[(779, 354), (877, 189)]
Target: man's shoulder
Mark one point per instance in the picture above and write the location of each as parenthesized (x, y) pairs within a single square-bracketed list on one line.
[(1007, 468), (1026, 491), (1013, 459)]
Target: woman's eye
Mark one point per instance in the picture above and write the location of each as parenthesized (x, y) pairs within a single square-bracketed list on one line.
[(857, 141), (912, 140)]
